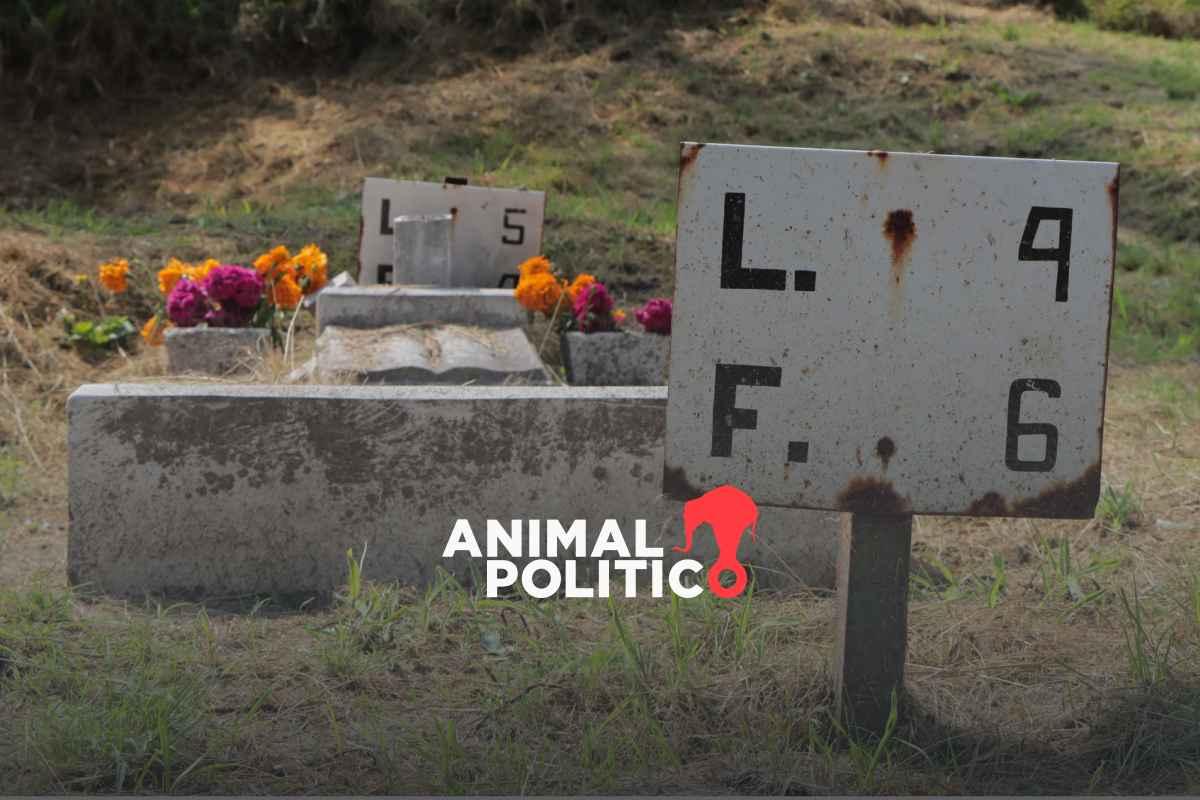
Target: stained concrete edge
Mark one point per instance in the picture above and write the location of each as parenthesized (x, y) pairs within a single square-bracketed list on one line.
[(337, 392), (378, 306)]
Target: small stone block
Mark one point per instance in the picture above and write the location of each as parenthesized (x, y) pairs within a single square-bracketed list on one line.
[(616, 359), (215, 351)]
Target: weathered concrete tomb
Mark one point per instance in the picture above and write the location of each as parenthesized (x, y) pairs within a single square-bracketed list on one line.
[(213, 491)]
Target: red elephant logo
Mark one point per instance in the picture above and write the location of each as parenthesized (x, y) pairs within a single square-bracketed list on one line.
[(728, 511)]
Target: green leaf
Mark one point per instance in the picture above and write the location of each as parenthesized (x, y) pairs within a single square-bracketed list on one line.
[(55, 16)]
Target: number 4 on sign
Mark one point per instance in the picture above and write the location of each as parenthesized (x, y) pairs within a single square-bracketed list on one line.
[(1060, 253)]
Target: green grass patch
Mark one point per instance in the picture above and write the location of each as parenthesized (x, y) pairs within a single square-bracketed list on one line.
[(1156, 302), (1178, 19), (1179, 81)]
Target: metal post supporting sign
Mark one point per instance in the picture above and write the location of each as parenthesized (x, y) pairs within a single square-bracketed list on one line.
[(889, 334)]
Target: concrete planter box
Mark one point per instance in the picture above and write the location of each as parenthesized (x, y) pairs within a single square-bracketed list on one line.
[(216, 351), (616, 359)]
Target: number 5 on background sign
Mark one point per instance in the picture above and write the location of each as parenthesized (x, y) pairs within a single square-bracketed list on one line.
[(891, 333), (494, 229)]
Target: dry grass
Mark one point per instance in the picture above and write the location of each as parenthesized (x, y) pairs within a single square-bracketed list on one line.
[(1032, 668)]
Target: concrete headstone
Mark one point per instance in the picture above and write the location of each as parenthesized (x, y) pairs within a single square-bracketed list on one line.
[(421, 251)]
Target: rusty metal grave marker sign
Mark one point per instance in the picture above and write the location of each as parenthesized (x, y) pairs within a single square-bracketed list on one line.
[(889, 334), (494, 229)]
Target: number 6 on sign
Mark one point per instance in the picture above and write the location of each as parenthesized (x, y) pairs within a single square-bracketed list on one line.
[(1016, 428)]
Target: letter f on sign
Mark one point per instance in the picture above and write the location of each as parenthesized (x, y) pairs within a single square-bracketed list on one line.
[(726, 415)]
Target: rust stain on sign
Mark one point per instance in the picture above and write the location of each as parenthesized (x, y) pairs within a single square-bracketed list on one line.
[(885, 448), (880, 155), (870, 495), (899, 228), (688, 154), (991, 504), (1071, 499), (1114, 196)]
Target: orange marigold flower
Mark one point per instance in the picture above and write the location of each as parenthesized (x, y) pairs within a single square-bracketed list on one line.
[(581, 282), (199, 272), (153, 332), (274, 263), (537, 265), (619, 316), (286, 293), (113, 275), (169, 275), (310, 266), (540, 292)]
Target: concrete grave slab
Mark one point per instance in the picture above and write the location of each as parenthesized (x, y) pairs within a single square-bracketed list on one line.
[(424, 354), (377, 306), (233, 490)]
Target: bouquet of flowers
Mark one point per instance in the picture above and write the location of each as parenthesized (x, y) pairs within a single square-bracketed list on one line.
[(587, 302), (583, 302), (655, 316), (234, 296)]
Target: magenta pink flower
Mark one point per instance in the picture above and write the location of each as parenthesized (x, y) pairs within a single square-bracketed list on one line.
[(593, 309), (229, 315), (655, 316), (229, 284), (187, 304)]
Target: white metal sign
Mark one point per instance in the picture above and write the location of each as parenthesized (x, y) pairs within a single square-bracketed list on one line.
[(891, 333), (494, 229)]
